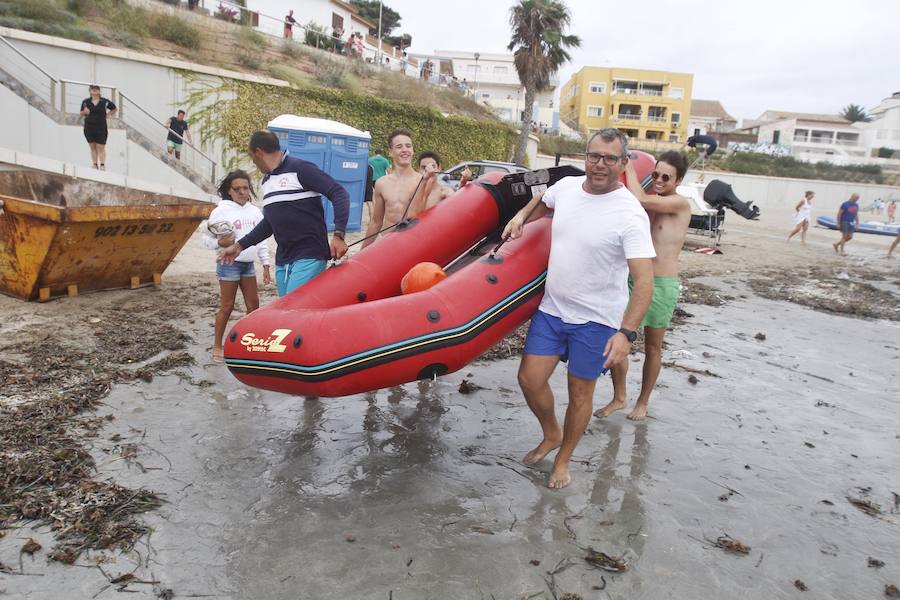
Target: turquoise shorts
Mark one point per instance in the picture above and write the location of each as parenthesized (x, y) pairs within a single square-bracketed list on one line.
[(291, 276)]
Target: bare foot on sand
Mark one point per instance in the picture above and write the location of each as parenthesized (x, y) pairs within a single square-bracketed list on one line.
[(218, 355), (639, 413), (542, 450), (559, 477), (835, 245), (613, 406)]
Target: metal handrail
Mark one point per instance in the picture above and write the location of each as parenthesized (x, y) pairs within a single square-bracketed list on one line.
[(53, 80), (31, 62), (164, 126), (88, 83)]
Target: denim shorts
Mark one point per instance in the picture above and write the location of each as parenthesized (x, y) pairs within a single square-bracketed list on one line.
[(235, 271), (582, 345)]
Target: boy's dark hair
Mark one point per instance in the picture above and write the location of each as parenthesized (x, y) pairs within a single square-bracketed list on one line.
[(181, 112), (225, 186), (396, 132), (677, 160), (265, 140), (94, 86), (430, 154), (378, 151)]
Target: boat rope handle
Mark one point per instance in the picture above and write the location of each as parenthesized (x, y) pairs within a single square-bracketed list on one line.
[(506, 239)]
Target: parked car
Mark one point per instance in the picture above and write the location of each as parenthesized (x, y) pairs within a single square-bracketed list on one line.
[(451, 176)]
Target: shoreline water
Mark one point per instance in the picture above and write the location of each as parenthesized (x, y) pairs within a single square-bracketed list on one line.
[(417, 491)]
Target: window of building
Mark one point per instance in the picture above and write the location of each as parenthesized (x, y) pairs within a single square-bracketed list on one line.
[(598, 87), (676, 119), (337, 21), (776, 136), (676, 92), (595, 111), (573, 91), (499, 70), (696, 131), (485, 95), (473, 69), (882, 134), (673, 137)]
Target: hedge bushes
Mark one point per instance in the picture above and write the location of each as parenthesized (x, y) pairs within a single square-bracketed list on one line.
[(236, 109)]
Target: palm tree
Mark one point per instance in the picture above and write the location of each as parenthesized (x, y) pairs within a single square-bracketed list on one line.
[(855, 113), (540, 49)]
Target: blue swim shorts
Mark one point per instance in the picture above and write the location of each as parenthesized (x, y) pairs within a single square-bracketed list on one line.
[(582, 345), (291, 276), (235, 271)]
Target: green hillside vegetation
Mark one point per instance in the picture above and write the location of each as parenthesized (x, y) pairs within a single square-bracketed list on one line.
[(240, 108), (197, 38)]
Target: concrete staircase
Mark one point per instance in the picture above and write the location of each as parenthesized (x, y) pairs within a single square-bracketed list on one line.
[(46, 94)]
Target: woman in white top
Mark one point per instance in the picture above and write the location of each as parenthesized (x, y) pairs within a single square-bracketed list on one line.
[(802, 217), (233, 217)]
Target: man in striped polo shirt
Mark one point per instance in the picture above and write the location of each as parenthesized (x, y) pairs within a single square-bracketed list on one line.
[(292, 191)]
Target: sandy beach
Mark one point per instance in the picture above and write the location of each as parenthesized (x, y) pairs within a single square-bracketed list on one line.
[(774, 424)]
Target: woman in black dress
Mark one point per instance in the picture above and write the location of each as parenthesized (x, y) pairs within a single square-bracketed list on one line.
[(94, 110)]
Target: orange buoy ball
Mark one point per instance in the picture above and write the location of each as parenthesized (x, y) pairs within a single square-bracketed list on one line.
[(421, 277)]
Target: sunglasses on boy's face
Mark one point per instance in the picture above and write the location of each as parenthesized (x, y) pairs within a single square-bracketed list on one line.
[(657, 175)]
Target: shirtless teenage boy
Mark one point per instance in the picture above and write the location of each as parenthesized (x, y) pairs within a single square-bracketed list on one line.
[(393, 191), (670, 215), (430, 162)]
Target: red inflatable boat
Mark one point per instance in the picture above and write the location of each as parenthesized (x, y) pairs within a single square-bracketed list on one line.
[(350, 329)]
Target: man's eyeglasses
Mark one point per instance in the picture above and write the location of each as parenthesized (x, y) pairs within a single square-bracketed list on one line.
[(657, 175), (608, 159)]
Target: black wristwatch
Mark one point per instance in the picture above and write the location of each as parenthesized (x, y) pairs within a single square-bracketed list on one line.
[(339, 234), (629, 334)]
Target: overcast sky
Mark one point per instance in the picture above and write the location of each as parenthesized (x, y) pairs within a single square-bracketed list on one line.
[(794, 55)]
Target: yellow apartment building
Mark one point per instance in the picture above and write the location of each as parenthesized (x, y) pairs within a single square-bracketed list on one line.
[(646, 105)]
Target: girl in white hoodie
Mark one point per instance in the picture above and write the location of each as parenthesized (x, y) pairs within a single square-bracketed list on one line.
[(235, 209)]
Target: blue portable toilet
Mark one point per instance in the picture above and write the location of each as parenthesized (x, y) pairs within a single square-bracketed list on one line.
[(338, 149)]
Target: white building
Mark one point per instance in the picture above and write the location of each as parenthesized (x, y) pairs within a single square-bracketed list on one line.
[(709, 116), (813, 137), (883, 131), (495, 83), (333, 15)]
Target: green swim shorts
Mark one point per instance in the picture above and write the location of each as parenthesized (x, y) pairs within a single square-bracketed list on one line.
[(665, 297)]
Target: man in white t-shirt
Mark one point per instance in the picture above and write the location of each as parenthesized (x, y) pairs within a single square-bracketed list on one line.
[(600, 234)]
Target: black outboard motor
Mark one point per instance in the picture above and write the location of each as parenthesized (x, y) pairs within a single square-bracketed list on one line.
[(719, 194)]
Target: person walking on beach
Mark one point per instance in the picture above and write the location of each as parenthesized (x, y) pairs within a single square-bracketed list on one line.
[(289, 22), (670, 216), (380, 165), (848, 223), (802, 217), (600, 233), (178, 132), (95, 109), (891, 211), (292, 191), (238, 214), (392, 198)]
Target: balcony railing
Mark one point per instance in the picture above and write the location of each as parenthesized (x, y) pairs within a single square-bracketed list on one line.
[(825, 141), (655, 119), (636, 92), (627, 117)]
